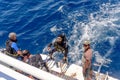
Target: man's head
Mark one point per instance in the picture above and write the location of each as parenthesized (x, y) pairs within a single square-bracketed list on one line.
[(86, 44), (12, 36), (25, 53), (59, 39)]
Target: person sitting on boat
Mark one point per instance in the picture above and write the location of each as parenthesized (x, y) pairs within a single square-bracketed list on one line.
[(11, 46), (60, 45), (34, 60), (87, 61)]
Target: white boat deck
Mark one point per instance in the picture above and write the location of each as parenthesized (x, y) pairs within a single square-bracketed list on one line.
[(74, 71)]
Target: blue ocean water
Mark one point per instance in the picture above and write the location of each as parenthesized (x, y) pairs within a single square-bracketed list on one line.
[(38, 22)]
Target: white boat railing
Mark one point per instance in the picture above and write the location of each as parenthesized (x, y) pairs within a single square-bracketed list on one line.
[(27, 68), (7, 73)]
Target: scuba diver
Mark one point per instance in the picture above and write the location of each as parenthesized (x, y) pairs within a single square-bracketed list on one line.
[(60, 45)]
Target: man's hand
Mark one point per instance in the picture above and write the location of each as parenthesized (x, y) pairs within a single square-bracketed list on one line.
[(19, 52), (48, 48), (65, 59), (87, 64), (84, 71), (63, 51)]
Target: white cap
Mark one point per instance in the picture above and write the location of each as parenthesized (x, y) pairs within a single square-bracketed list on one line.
[(86, 42), (12, 34)]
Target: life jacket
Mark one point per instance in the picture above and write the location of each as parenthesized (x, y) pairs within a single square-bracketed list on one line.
[(59, 47), (10, 51), (63, 45)]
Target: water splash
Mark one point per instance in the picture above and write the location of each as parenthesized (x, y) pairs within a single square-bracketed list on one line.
[(100, 27)]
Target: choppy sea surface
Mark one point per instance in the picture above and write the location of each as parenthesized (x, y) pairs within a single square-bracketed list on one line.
[(38, 22)]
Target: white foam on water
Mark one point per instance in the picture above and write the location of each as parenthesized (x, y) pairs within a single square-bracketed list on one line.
[(2, 33), (55, 28), (99, 28)]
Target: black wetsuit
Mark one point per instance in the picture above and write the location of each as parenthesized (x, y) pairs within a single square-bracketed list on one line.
[(60, 47)]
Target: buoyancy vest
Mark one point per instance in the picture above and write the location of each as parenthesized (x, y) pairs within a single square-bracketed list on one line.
[(10, 51)]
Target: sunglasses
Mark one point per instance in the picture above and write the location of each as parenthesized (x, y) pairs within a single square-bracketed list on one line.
[(85, 45)]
